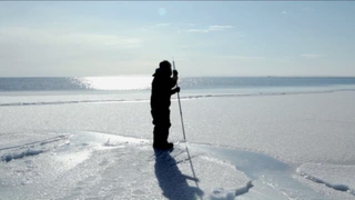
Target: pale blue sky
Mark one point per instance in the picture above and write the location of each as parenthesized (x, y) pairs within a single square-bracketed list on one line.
[(206, 38)]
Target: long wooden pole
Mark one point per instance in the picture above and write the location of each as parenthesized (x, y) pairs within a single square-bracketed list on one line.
[(183, 131), (178, 95)]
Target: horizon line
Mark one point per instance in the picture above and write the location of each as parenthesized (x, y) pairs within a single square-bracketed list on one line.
[(202, 76)]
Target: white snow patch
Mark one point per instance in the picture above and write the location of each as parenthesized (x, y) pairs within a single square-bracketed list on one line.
[(222, 194)]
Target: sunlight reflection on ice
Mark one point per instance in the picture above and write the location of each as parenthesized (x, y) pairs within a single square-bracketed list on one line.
[(115, 82)]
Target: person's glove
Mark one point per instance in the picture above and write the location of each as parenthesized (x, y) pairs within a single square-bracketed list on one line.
[(177, 89), (175, 72)]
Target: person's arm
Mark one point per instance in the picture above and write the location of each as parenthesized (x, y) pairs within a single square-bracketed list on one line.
[(174, 82), (175, 90)]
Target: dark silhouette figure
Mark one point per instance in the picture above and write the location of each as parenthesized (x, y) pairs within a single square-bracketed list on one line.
[(171, 180), (163, 86)]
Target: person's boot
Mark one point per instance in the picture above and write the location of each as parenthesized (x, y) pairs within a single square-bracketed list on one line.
[(157, 141)]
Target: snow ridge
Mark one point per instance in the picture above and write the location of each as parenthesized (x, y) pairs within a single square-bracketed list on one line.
[(339, 187), (188, 97), (29, 149), (244, 189), (40, 103), (19, 155)]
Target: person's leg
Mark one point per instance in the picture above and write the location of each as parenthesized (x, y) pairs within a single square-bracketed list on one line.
[(156, 136), (166, 126), (159, 132), (165, 133), (161, 121), (157, 129)]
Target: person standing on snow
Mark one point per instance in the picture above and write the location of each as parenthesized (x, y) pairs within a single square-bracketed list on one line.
[(163, 86)]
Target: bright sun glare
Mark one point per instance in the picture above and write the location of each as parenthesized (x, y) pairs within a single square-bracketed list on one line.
[(116, 83)]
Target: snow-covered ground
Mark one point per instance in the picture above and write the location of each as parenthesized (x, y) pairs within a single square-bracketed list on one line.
[(297, 146)]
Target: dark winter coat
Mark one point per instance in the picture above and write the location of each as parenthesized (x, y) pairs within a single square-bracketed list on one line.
[(162, 86)]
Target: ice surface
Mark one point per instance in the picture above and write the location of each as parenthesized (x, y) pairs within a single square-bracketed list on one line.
[(273, 179), (291, 129), (295, 128), (81, 164), (94, 165)]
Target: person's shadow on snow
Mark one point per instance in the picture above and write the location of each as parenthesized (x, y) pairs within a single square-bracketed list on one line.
[(172, 181)]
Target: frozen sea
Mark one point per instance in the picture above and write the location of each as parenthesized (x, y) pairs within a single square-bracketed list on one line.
[(277, 138)]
